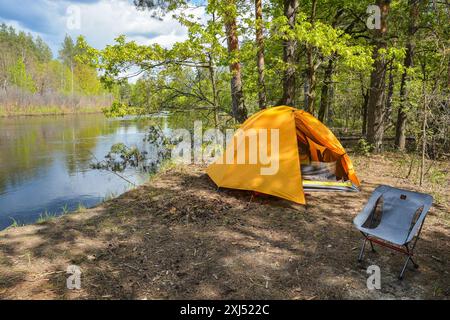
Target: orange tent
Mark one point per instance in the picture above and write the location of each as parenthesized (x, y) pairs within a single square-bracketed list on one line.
[(294, 128)]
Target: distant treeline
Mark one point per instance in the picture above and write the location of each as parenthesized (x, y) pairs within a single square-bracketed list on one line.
[(32, 81)]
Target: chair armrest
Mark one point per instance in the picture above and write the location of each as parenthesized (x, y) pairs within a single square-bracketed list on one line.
[(370, 205)]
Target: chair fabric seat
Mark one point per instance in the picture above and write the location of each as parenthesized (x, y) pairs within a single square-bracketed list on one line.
[(397, 214), (391, 234)]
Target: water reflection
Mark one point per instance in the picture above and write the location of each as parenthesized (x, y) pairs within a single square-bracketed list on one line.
[(45, 162)]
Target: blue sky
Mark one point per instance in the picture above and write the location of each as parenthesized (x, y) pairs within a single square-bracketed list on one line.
[(100, 21)]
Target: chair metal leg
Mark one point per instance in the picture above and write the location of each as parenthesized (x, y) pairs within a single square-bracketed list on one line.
[(409, 253), (362, 250), (404, 268), (414, 263), (371, 245)]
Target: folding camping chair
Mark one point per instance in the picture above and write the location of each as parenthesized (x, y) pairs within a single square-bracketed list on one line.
[(393, 218)]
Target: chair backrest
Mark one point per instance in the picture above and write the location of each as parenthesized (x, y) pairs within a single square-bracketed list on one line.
[(405, 210)]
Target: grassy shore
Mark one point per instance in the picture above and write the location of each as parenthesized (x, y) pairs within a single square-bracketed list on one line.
[(180, 237), (46, 110)]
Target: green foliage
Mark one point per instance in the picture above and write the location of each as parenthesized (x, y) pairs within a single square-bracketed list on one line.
[(363, 147), (120, 157), (19, 76), (68, 51), (117, 109), (437, 176), (46, 216), (14, 224), (87, 80), (26, 65), (195, 74)]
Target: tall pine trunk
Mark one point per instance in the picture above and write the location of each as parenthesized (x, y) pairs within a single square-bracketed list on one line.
[(375, 106), (289, 49), (400, 129), (237, 96), (260, 54)]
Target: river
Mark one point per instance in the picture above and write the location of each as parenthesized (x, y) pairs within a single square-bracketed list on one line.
[(45, 162)]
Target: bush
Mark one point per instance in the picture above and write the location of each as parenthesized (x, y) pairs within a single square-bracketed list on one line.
[(117, 109), (363, 147)]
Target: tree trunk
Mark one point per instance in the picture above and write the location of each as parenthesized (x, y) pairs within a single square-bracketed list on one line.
[(400, 129), (289, 48), (326, 88), (311, 82), (388, 102), (375, 107), (212, 77), (424, 134), (305, 89), (365, 94), (237, 96), (71, 75), (311, 66), (364, 115), (330, 111), (260, 54), (448, 76)]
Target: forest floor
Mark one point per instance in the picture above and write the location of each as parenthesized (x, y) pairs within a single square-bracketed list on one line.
[(177, 237)]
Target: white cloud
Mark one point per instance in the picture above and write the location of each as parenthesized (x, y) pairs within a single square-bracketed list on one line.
[(101, 22)]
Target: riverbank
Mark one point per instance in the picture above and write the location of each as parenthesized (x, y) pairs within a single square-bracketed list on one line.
[(47, 110), (178, 237)]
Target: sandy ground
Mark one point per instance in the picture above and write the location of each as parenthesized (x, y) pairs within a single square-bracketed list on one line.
[(178, 237)]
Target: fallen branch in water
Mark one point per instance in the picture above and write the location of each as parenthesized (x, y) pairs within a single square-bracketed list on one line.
[(112, 171)]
